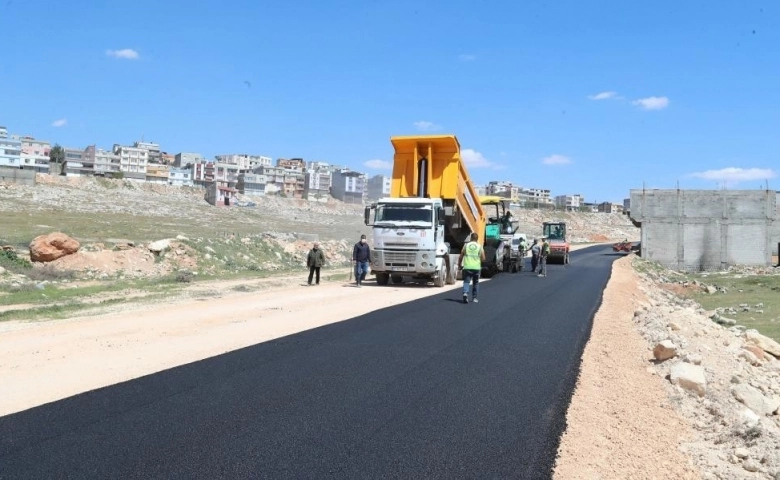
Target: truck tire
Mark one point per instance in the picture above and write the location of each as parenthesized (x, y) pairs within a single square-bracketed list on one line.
[(382, 278), (441, 279)]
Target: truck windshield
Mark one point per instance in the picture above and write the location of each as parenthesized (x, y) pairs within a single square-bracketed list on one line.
[(404, 213)]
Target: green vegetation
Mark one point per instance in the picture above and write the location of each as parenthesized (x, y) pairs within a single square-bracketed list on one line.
[(11, 261), (750, 290)]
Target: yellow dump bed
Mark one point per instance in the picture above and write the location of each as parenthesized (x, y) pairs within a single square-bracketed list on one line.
[(445, 176)]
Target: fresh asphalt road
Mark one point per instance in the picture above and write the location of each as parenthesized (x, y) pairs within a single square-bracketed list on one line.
[(427, 389)]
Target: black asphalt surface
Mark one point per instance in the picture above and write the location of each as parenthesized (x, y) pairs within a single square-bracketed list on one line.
[(428, 389)]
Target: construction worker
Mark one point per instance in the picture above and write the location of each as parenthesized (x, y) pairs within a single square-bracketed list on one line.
[(361, 256), (536, 249), (545, 251), (506, 222), (470, 262), (315, 260)]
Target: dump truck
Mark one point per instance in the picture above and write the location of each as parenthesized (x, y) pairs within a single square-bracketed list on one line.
[(555, 232), (433, 207)]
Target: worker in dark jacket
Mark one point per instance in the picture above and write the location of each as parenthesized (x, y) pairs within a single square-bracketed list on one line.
[(361, 256), (315, 260)]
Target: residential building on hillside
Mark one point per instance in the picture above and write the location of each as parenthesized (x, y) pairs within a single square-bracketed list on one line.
[(251, 183), (290, 183), (481, 190), (202, 173), (167, 158), (180, 176), (317, 185), (589, 207), (348, 186), (220, 195), (626, 205), (609, 207), (35, 154), (244, 161), (104, 163), (503, 189), (378, 187), (535, 197), (157, 173), (297, 164), (153, 149), (77, 164), (324, 166), (132, 161), (10, 149), (569, 202), (183, 159)]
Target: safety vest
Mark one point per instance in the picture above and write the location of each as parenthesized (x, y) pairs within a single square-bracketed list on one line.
[(471, 260), (545, 249)]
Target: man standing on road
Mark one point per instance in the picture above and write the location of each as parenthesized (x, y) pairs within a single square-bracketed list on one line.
[(361, 256), (543, 257), (315, 260), (536, 249), (470, 262)]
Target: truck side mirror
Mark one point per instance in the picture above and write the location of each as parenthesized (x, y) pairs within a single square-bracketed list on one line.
[(366, 214), (440, 215)]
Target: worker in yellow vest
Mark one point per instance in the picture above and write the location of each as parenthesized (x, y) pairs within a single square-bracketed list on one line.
[(470, 263)]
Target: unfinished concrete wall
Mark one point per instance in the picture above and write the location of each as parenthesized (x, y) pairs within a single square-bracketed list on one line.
[(17, 175), (774, 230), (698, 230)]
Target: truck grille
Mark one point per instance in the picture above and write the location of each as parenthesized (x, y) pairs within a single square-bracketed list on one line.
[(400, 259)]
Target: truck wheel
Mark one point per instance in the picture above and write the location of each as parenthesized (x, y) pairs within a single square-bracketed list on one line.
[(441, 278), (382, 278), (491, 265)]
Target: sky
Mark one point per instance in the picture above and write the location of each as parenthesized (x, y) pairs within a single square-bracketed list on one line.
[(580, 97)]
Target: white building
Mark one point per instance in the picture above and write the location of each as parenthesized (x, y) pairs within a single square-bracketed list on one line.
[(105, 163), (180, 176), (185, 158), (379, 186), (132, 161), (348, 186), (317, 185), (244, 161), (10, 149), (569, 202)]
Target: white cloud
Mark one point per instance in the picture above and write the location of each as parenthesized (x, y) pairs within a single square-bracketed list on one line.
[(652, 103), (732, 175), (467, 57), (556, 159), (474, 159), (425, 126), (59, 123), (603, 96), (126, 53), (377, 164)]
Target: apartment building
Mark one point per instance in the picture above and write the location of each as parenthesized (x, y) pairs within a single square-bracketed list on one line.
[(571, 203), (297, 164), (317, 185), (132, 161), (77, 164), (378, 187), (348, 186), (157, 173), (626, 205), (167, 158), (105, 163), (184, 158), (220, 195), (35, 154), (10, 149), (154, 155), (609, 207), (290, 183), (503, 189), (245, 161), (534, 197), (180, 176), (252, 183)]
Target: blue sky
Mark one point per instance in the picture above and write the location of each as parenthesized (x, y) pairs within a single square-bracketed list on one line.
[(589, 97)]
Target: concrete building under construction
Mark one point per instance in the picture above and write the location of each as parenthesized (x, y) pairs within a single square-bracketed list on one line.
[(706, 230)]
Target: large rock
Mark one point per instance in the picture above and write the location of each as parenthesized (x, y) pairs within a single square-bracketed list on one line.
[(665, 350), (689, 377), (159, 246), (50, 247), (752, 398), (764, 343)]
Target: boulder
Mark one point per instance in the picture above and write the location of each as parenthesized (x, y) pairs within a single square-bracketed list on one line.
[(665, 350), (50, 247), (764, 343), (689, 377), (159, 246), (752, 398)]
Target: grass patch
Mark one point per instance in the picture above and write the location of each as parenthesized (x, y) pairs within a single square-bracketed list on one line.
[(752, 290), (14, 263)]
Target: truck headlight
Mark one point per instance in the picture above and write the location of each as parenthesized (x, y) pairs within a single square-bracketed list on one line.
[(424, 255)]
